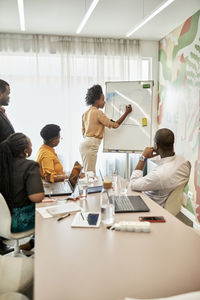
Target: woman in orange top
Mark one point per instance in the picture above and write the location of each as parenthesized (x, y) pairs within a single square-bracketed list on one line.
[(50, 167)]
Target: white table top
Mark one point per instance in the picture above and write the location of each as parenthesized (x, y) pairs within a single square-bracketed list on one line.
[(100, 264)]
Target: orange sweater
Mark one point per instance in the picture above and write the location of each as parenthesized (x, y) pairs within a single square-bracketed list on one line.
[(49, 162)]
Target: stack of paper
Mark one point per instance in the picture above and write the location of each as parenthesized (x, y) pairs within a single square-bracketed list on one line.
[(58, 210)]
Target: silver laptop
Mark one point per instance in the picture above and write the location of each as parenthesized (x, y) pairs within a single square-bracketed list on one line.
[(65, 187)]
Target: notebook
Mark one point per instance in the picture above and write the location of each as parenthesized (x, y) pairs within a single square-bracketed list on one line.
[(87, 220), (65, 187), (60, 210), (130, 204)]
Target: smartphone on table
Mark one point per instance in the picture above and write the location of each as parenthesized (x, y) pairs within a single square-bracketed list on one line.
[(92, 219), (152, 219)]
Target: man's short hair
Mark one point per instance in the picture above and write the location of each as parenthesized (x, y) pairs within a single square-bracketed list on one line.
[(50, 132), (165, 139), (3, 85)]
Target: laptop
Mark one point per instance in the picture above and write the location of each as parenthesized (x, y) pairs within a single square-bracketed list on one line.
[(64, 187), (94, 189), (125, 204)]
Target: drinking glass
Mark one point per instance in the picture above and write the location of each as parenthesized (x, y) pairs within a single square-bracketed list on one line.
[(123, 186), (114, 181), (50, 194), (107, 207), (83, 189), (83, 192)]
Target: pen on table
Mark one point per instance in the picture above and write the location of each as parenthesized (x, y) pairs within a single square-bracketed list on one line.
[(63, 217), (82, 216)]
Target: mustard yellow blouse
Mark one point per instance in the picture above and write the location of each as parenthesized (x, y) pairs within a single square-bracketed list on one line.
[(49, 162)]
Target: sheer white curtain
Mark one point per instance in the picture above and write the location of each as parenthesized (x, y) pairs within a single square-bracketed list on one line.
[(49, 77)]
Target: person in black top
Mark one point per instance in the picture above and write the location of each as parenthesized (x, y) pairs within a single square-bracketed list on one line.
[(21, 185), (6, 129)]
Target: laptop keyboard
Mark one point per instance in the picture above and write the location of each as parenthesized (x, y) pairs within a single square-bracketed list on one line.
[(123, 203), (130, 203), (61, 187), (58, 188)]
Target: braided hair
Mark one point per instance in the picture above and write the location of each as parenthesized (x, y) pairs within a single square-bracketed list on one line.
[(12, 147)]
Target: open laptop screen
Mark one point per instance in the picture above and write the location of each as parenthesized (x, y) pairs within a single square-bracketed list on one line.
[(75, 173)]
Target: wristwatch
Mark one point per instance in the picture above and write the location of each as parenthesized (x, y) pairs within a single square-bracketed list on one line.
[(142, 158)]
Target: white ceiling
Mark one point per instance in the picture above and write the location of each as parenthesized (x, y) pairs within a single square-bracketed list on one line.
[(111, 18)]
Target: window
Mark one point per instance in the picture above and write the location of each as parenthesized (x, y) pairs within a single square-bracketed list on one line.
[(51, 89)]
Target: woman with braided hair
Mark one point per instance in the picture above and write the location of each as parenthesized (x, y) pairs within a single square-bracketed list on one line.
[(20, 183)]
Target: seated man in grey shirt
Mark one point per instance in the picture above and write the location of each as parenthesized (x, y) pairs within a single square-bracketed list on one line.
[(172, 170)]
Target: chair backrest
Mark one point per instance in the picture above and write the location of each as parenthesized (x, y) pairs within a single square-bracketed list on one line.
[(187, 296), (5, 219), (174, 201)]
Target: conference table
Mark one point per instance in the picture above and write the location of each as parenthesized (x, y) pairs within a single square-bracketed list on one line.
[(103, 264)]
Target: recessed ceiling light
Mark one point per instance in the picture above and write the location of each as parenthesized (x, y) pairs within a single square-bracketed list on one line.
[(87, 15), (149, 17), (21, 14)]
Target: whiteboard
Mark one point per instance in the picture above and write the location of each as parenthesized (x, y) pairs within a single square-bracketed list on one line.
[(134, 134)]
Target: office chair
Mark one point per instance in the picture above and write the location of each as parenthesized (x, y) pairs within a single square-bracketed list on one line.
[(16, 276), (174, 201), (13, 296), (5, 227)]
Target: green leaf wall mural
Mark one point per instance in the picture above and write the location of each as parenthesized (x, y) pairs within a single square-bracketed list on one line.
[(179, 97)]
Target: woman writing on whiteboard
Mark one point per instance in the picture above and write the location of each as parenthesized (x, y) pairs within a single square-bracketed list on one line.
[(93, 123)]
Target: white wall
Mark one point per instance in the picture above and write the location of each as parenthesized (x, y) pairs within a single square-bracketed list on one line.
[(150, 49)]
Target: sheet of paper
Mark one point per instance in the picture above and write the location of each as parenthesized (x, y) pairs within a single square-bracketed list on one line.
[(48, 200), (43, 212)]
